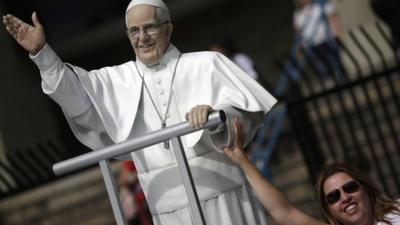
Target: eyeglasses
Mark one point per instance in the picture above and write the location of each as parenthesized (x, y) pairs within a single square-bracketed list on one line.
[(349, 187), (149, 29)]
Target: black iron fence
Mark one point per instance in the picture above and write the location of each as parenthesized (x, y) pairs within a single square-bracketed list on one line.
[(24, 169), (340, 112)]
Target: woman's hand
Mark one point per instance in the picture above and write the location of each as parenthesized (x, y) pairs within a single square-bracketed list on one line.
[(236, 152)]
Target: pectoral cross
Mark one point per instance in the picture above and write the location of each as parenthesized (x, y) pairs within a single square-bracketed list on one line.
[(166, 143)]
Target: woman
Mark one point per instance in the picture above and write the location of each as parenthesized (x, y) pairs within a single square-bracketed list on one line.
[(346, 196)]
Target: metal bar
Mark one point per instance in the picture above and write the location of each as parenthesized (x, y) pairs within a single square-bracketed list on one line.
[(374, 46), (352, 84), (16, 176), (149, 139), (111, 187), (386, 115), (373, 114), (363, 51), (20, 166), (39, 174), (61, 151), (188, 182), (316, 105), (307, 139), (103, 155), (388, 41), (390, 82), (41, 163), (390, 78), (4, 180), (50, 153), (309, 143), (339, 98)]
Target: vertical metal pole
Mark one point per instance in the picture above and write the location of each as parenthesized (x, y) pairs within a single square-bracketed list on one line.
[(187, 179), (112, 191)]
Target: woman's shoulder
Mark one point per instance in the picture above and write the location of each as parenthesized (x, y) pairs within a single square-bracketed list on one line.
[(393, 217)]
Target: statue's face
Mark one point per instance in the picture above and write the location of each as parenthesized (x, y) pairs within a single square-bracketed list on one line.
[(149, 37)]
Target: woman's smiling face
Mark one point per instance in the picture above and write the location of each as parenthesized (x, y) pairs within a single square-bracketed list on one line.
[(351, 208)]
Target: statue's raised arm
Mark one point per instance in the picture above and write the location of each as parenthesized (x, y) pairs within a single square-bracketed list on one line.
[(31, 37)]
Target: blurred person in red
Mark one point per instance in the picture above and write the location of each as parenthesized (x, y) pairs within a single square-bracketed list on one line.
[(134, 205)]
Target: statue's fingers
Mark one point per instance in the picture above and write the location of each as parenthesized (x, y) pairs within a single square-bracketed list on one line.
[(35, 20)]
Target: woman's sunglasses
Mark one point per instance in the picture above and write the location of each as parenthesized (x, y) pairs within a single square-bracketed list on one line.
[(349, 187)]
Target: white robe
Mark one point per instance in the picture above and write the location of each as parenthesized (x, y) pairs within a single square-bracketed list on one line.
[(110, 105)]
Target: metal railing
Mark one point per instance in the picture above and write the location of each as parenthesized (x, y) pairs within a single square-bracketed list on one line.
[(172, 133)]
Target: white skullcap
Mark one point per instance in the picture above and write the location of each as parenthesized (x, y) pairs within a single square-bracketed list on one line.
[(133, 3), (156, 3)]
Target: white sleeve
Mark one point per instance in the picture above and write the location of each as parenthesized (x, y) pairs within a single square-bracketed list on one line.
[(61, 84), (223, 134)]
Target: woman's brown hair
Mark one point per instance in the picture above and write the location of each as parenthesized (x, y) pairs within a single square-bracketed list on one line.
[(381, 204)]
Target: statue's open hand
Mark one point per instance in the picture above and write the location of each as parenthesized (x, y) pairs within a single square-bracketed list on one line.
[(31, 38)]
